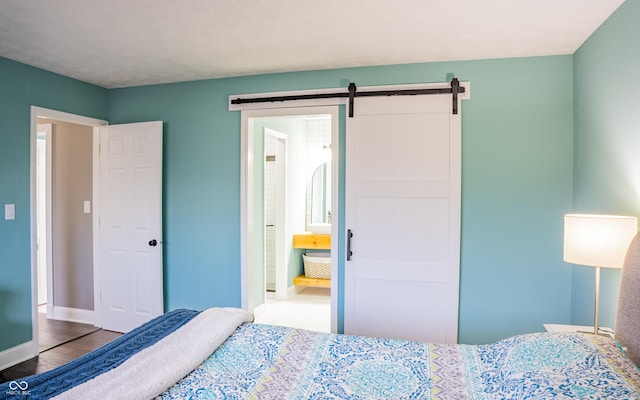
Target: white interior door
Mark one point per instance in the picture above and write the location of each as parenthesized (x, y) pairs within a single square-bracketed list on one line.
[(403, 207), (130, 226)]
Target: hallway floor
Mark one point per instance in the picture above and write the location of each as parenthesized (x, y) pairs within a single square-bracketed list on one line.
[(62, 342), (310, 309), (53, 333)]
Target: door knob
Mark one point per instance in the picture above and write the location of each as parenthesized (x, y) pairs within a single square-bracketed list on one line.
[(153, 242)]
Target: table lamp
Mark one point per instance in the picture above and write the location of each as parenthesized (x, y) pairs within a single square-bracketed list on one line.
[(597, 241)]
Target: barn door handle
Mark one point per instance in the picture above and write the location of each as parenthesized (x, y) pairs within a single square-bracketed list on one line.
[(153, 243), (349, 252)]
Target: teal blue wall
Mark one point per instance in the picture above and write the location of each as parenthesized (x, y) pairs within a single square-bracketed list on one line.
[(516, 186), (21, 87), (607, 142), (517, 183)]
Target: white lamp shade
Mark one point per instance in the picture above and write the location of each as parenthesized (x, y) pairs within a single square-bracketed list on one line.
[(598, 240)]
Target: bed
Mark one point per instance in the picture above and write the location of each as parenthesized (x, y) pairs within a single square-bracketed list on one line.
[(220, 354)]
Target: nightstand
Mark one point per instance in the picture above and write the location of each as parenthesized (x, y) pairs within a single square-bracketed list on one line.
[(604, 331)]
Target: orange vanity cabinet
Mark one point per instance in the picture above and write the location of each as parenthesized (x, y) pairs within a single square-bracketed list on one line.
[(313, 241)]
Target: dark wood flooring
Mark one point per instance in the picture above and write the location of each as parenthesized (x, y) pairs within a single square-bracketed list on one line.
[(54, 333), (60, 342)]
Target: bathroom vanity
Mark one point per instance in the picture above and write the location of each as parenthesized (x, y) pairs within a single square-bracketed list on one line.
[(312, 241), (318, 230)]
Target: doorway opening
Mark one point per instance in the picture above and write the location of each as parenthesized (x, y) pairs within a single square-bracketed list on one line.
[(62, 154), (282, 150), (275, 210)]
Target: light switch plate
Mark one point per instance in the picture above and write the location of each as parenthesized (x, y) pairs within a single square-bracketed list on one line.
[(87, 207), (9, 211)]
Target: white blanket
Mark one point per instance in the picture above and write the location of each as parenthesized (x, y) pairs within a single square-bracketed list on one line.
[(154, 369)]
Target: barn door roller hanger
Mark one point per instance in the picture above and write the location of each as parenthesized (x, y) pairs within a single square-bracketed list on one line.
[(352, 93)]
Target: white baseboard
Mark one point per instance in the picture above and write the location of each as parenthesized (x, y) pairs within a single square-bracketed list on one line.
[(290, 292), (293, 290), (18, 354), (25, 351), (73, 315)]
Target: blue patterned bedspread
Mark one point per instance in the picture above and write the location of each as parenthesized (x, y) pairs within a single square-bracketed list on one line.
[(270, 362)]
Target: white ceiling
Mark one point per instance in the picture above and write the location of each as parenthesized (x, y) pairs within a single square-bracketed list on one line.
[(119, 43)]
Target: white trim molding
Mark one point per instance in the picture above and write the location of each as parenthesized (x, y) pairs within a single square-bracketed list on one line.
[(18, 354), (73, 315), (246, 193)]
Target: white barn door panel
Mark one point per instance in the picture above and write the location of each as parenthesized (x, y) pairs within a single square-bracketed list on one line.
[(403, 167)]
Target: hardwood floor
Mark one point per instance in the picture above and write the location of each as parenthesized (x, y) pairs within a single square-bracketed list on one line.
[(61, 342), (54, 333)]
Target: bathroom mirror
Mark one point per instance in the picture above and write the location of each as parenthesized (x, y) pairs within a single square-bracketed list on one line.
[(321, 196)]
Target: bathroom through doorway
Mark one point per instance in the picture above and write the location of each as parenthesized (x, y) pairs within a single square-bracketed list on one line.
[(286, 147)]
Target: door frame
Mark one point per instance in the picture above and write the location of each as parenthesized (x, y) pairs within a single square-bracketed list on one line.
[(40, 112), (48, 199), (246, 198)]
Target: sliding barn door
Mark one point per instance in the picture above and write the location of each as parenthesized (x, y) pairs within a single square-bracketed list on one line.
[(403, 167)]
